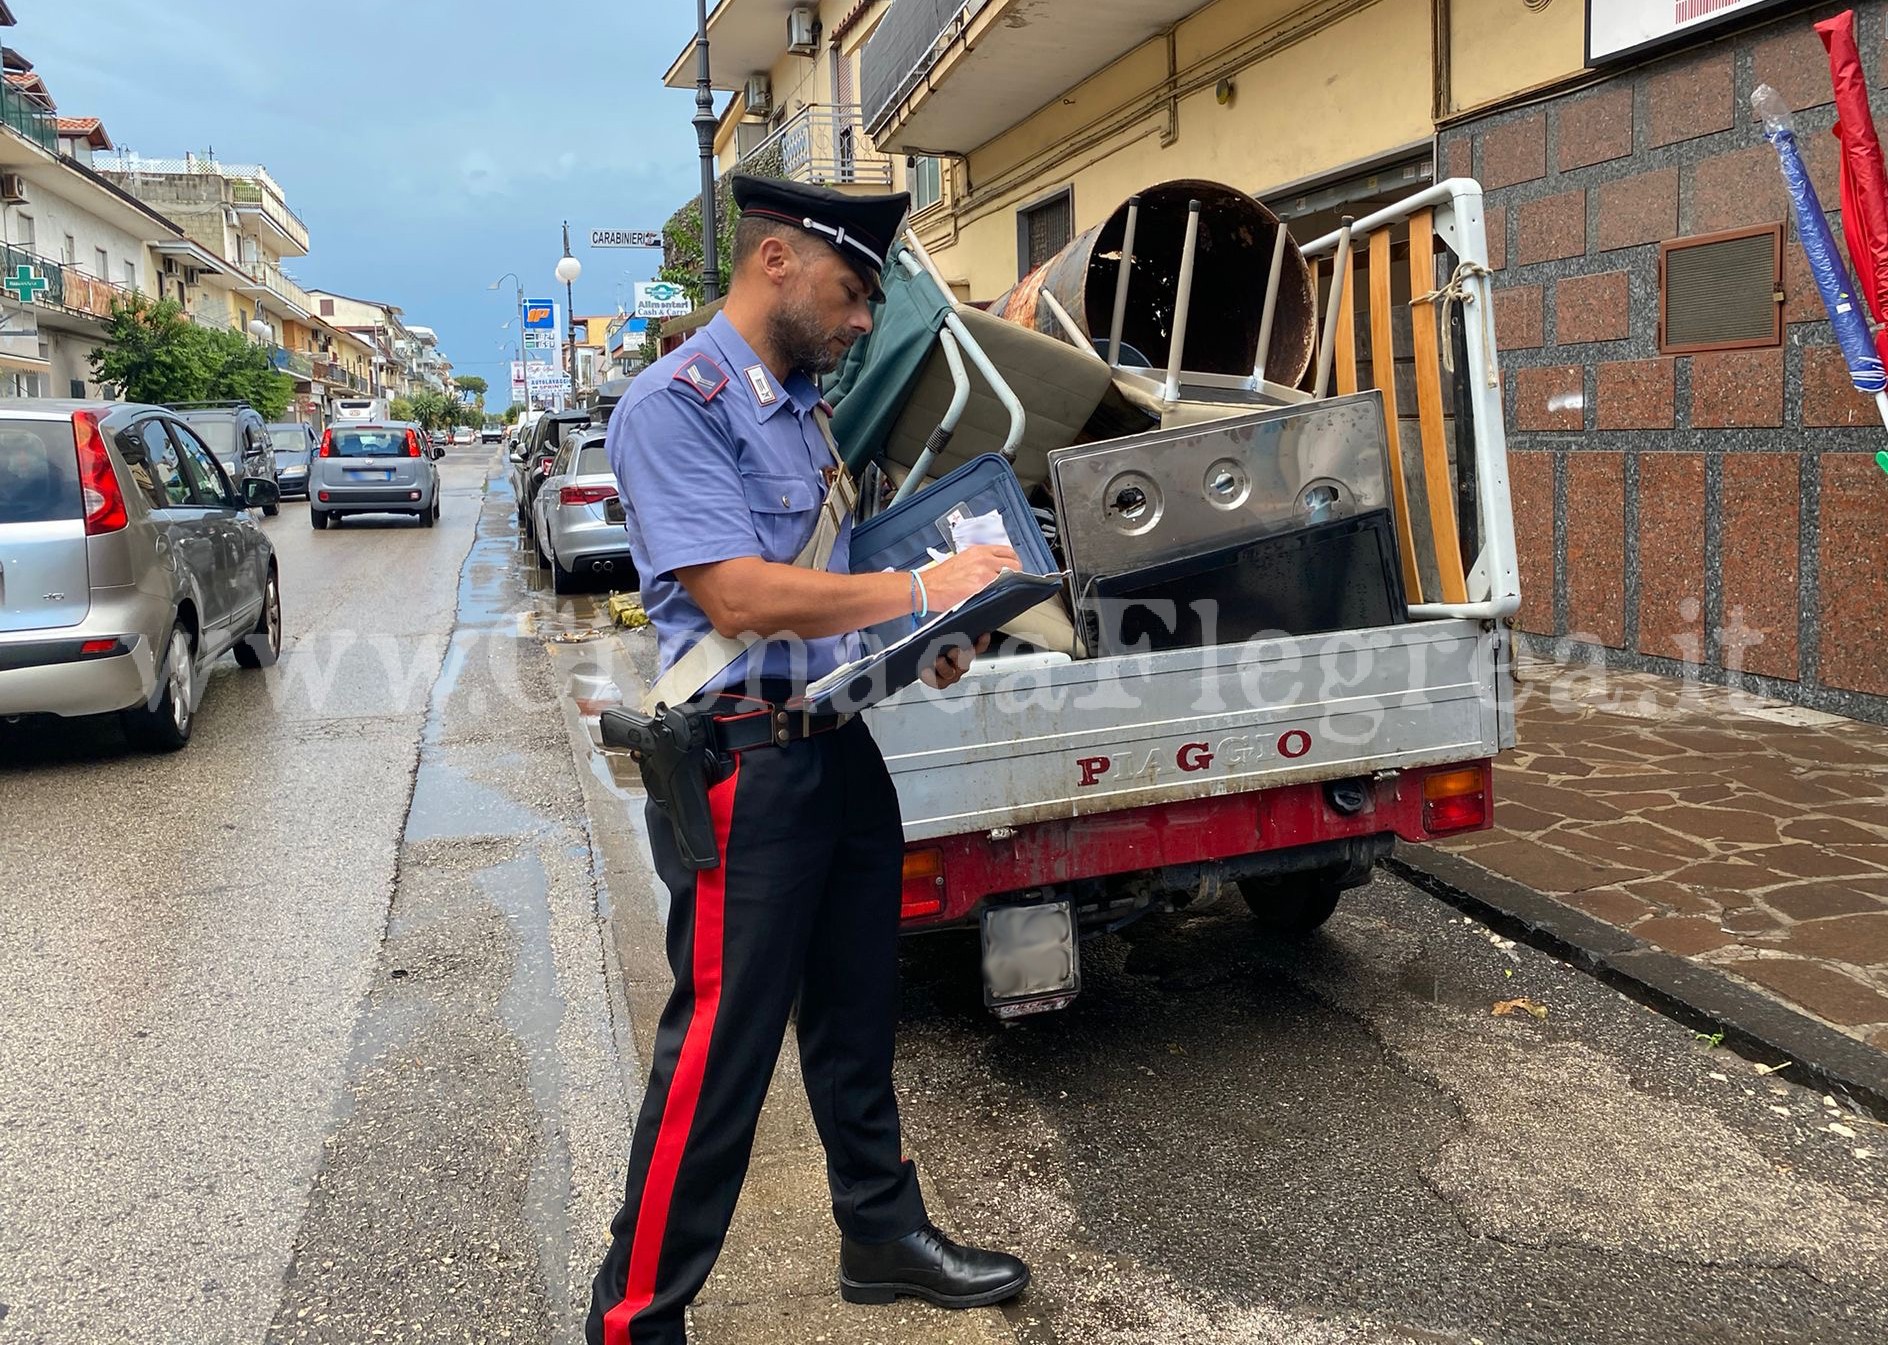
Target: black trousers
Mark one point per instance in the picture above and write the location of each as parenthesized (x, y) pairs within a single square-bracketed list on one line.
[(804, 907)]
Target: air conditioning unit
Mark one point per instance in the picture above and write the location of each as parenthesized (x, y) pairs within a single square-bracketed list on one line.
[(190, 275), (12, 188), (759, 96), (802, 30)]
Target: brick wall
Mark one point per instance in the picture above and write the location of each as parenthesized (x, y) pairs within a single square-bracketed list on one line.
[(1717, 515)]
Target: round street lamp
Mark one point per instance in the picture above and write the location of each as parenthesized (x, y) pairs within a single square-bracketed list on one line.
[(259, 329), (569, 268)]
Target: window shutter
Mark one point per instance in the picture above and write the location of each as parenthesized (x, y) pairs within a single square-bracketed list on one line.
[(1721, 291)]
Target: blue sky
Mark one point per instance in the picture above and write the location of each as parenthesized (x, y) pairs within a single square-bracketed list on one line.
[(430, 146)]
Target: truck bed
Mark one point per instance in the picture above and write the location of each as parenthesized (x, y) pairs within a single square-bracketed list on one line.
[(1010, 747)]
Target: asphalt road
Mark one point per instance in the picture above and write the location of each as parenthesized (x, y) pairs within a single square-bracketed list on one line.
[(297, 1011), (311, 1033)]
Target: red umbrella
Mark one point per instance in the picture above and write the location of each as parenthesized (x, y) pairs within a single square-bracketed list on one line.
[(1864, 179)]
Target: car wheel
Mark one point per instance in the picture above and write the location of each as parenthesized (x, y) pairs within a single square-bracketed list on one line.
[(427, 518), (263, 645), (166, 726), (435, 507), (271, 510), (1293, 905), (562, 580), (317, 518)]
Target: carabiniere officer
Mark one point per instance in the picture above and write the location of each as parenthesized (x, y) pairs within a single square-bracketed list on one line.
[(723, 464)]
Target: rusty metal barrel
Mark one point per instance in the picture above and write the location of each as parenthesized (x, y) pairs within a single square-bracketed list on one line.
[(1229, 278)]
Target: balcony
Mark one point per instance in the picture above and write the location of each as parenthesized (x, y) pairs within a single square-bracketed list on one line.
[(27, 119), (296, 362), (291, 296), (188, 183), (946, 76), (258, 197), (823, 145), (67, 287)]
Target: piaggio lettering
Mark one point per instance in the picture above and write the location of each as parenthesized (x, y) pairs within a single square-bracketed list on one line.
[(1294, 744), (1193, 757), (1093, 768)]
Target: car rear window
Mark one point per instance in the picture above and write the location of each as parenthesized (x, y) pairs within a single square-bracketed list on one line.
[(219, 434), (385, 443), (593, 459), (39, 472)]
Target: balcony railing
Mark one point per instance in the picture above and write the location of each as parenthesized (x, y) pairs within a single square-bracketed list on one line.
[(28, 119), (67, 287), (282, 285), (823, 144), (297, 362)]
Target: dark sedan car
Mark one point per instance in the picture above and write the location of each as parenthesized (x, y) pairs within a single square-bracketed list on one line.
[(293, 445)]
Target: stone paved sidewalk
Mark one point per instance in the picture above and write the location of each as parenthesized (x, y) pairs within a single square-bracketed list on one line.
[(1747, 835)]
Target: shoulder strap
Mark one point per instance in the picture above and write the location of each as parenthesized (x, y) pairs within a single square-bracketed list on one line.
[(714, 652)]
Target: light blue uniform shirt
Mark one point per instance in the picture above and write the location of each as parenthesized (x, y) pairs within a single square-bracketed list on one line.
[(716, 460)]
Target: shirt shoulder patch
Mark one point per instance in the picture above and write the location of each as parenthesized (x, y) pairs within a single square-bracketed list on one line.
[(701, 373)]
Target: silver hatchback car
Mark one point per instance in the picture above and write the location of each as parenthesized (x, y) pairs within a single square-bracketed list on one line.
[(577, 518), (374, 467), (128, 564)]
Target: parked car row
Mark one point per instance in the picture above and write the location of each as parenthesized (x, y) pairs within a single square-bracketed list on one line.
[(568, 509), (130, 559)]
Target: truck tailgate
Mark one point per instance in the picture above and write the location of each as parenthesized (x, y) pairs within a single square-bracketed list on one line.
[(1005, 749)]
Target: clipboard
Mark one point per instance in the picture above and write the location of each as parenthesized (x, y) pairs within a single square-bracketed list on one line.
[(865, 682)]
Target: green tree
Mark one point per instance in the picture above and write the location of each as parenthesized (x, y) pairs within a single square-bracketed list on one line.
[(240, 371), (152, 352), (512, 413), (401, 408), (682, 254), (475, 385)]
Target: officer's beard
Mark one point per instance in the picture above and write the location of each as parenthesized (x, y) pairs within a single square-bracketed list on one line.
[(801, 342)]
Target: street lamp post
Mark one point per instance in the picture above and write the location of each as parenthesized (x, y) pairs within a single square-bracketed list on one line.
[(524, 367), (568, 269), (704, 121)]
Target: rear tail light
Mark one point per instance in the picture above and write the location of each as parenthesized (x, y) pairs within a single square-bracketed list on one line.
[(98, 648), (586, 494), (327, 443), (1455, 800), (412, 443), (923, 890), (104, 501)]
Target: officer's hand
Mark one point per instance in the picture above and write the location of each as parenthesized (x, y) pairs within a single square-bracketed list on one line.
[(970, 570), (952, 664)]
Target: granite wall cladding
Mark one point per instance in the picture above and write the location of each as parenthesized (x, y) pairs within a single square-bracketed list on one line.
[(1710, 515)]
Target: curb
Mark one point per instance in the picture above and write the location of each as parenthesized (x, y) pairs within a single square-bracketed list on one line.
[(1700, 997)]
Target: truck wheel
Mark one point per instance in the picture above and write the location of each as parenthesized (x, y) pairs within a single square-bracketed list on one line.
[(1293, 905)]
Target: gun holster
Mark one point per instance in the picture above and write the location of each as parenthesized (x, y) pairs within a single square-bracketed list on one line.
[(675, 749)]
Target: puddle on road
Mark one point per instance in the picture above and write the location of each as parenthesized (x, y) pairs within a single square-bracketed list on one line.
[(450, 805)]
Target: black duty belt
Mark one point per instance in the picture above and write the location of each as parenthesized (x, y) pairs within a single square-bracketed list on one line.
[(746, 724)]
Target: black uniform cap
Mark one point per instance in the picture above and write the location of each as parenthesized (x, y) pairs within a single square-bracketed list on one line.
[(862, 228)]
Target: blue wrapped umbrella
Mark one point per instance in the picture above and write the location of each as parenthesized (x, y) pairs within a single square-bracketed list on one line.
[(1839, 296)]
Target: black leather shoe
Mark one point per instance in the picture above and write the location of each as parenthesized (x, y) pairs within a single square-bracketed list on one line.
[(928, 1265)]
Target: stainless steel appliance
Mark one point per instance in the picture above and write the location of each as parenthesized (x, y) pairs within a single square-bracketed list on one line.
[(1128, 504)]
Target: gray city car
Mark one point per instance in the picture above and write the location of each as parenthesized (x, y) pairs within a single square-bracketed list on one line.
[(374, 467), (577, 518), (129, 563)]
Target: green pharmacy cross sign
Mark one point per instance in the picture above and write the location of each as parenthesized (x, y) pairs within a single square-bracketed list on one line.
[(25, 283)]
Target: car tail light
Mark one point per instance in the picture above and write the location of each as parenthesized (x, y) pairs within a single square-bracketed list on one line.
[(412, 443), (586, 494), (923, 890), (104, 501), (96, 648), (327, 443), (1455, 800)]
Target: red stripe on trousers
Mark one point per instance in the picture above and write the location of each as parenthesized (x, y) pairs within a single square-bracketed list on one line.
[(678, 1113)]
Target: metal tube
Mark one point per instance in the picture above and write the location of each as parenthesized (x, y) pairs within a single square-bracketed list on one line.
[(704, 122), (934, 443), (1177, 346), (1121, 283), (1340, 282), (1061, 315), (1270, 311), (953, 323)]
